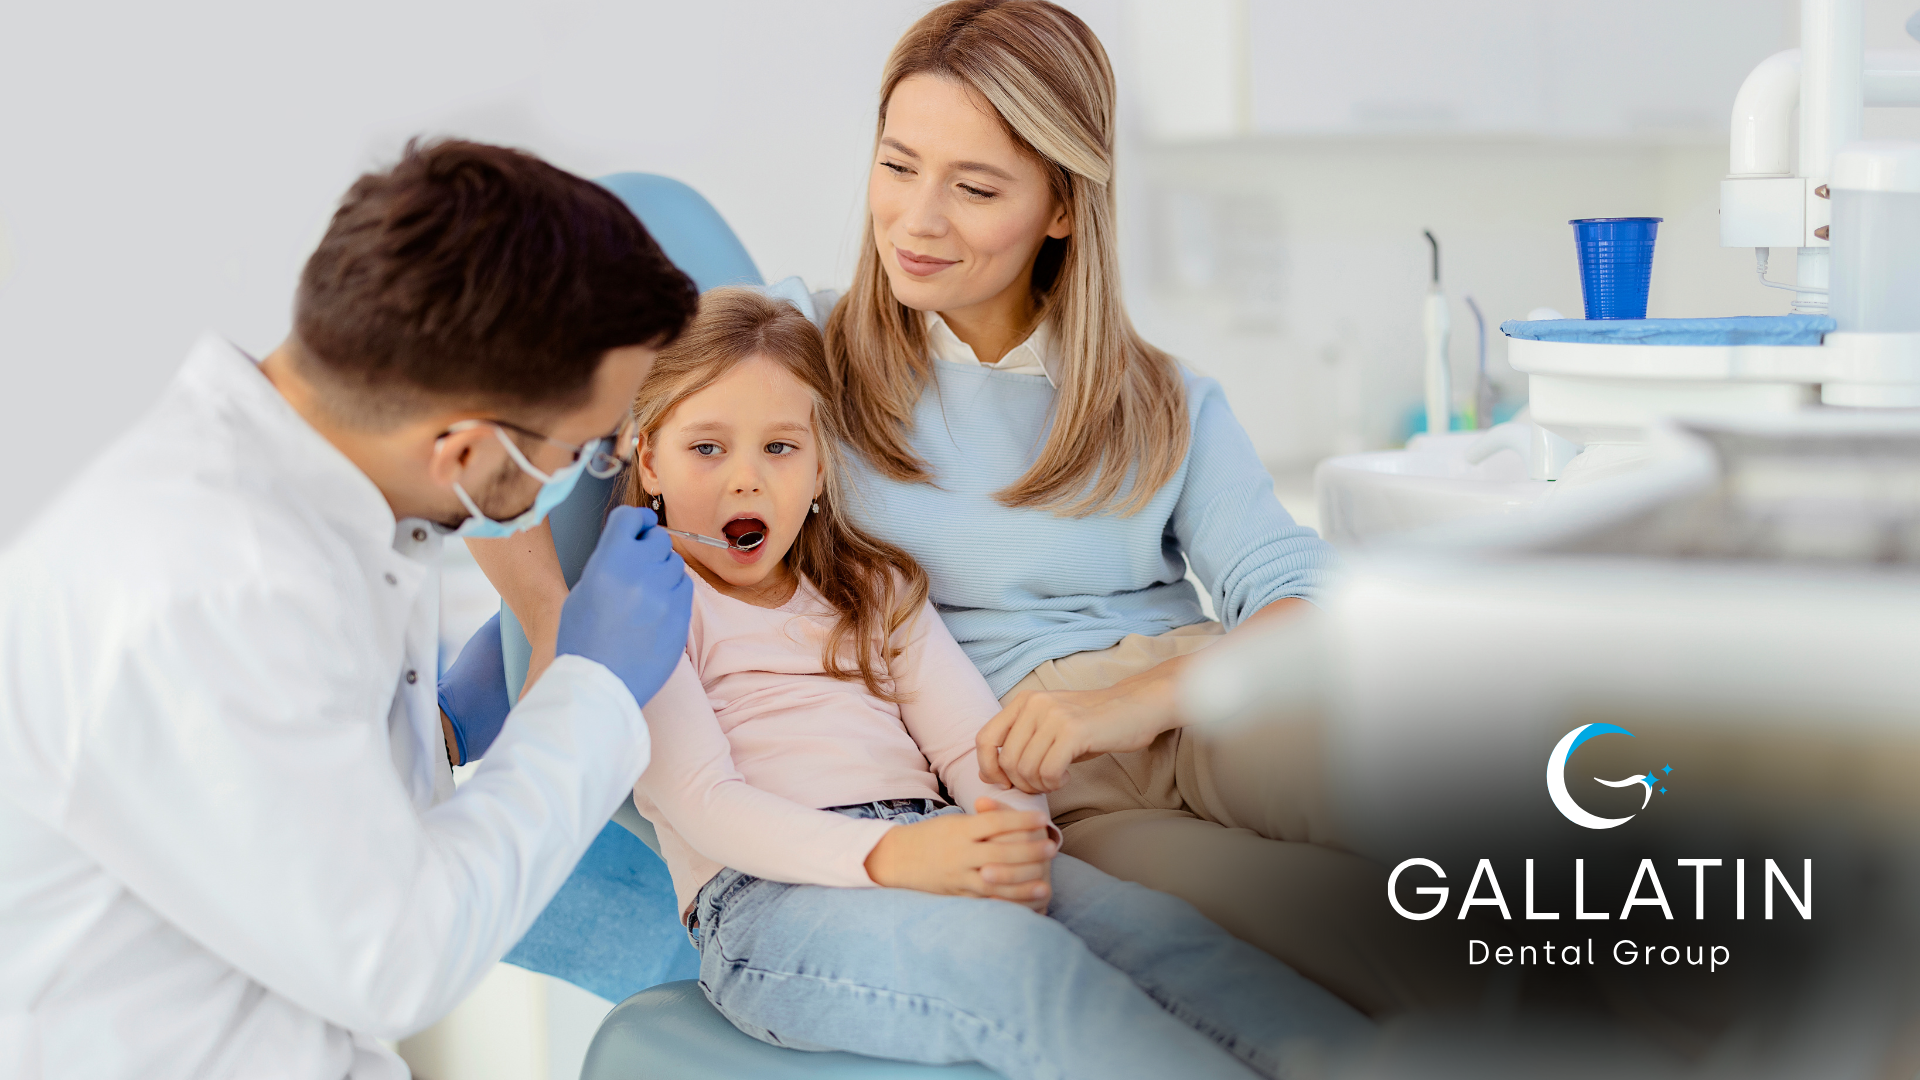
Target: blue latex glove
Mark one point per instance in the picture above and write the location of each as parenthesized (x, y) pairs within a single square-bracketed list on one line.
[(629, 610), (473, 692)]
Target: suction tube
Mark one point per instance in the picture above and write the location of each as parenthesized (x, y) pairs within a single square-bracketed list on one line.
[(1482, 386), (1439, 378)]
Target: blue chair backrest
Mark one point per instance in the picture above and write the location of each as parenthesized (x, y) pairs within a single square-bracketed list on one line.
[(703, 246)]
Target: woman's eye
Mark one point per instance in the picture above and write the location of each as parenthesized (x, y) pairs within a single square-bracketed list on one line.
[(976, 192), (706, 449), (898, 170), (778, 448)]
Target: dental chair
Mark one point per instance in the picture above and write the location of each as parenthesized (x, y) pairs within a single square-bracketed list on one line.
[(620, 897)]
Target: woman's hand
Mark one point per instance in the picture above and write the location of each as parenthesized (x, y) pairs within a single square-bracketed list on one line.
[(993, 853), (1030, 743)]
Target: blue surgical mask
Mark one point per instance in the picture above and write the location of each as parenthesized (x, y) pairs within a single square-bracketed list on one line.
[(554, 489)]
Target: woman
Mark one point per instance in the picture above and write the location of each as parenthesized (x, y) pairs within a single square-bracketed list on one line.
[(1056, 475)]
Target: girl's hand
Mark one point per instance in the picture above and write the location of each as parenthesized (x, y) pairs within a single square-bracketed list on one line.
[(1016, 873), (993, 853)]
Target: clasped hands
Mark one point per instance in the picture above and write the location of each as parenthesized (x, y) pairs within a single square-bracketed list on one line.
[(994, 852), (1005, 854)]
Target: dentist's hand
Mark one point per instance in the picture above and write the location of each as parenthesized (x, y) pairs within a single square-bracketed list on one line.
[(473, 693), (629, 610)]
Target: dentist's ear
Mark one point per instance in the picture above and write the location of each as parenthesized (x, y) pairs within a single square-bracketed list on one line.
[(455, 452)]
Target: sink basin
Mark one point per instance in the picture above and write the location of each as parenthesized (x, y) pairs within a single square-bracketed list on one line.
[(1387, 492)]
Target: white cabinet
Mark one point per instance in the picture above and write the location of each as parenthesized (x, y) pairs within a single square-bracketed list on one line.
[(1189, 70), (1649, 67), (1540, 68), (1395, 66)]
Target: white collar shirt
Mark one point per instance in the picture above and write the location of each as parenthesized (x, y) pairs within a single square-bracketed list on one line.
[(230, 844), (1035, 355)]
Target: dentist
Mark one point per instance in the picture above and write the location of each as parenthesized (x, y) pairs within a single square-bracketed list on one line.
[(230, 844)]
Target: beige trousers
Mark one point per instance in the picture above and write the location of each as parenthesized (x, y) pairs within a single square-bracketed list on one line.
[(1234, 821)]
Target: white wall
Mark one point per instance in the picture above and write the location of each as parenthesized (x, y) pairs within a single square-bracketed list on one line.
[(165, 168)]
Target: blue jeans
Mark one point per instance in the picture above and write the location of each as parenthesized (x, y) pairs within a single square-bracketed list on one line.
[(1115, 981)]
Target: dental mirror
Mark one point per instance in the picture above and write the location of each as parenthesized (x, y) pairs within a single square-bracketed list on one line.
[(746, 542)]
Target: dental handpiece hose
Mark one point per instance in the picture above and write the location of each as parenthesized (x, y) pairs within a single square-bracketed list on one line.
[(1439, 378)]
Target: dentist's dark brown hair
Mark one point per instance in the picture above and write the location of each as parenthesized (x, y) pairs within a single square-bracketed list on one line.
[(479, 275)]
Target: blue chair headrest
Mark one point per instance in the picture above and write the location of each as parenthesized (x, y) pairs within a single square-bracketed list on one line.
[(703, 246), (687, 228)]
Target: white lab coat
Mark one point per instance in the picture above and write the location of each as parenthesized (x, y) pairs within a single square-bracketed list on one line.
[(229, 840)]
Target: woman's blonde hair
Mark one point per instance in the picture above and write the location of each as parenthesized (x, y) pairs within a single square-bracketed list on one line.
[(875, 587), (1119, 427)]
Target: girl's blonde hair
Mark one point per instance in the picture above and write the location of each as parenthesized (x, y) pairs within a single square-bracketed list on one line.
[(875, 587), (1119, 428)]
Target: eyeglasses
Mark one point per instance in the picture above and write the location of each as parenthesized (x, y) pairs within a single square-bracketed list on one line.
[(605, 455)]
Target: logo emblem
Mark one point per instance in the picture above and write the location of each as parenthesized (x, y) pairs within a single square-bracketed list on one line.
[(1557, 778)]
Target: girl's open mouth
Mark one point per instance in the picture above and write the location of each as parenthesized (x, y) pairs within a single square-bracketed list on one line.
[(745, 533)]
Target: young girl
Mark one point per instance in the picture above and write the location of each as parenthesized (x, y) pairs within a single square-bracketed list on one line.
[(814, 758)]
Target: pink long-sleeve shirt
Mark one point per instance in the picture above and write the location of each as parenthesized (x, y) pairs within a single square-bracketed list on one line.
[(751, 739)]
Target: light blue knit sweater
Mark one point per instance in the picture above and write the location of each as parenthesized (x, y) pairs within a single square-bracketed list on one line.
[(1021, 587)]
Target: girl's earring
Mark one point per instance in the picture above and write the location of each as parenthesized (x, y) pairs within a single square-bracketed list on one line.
[(816, 506), (656, 504)]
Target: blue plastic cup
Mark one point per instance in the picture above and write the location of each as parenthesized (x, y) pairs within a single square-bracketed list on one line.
[(1616, 264)]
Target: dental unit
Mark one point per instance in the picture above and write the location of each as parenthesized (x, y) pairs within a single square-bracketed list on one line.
[(1850, 209)]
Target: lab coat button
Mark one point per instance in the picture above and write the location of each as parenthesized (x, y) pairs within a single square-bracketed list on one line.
[(391, 580), (413, 677), (419, 536)]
